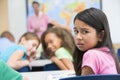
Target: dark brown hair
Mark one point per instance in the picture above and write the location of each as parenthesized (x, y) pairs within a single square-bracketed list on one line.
[(35, 2), (64, 35)]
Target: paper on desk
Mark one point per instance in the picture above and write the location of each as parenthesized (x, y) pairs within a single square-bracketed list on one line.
[(57, 76)]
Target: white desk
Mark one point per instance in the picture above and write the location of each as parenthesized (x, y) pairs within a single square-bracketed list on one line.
[(48, 75), (40, 63)]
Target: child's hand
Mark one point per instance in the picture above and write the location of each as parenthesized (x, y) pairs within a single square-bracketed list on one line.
[(30, 59), (33, 55), (54, 58)]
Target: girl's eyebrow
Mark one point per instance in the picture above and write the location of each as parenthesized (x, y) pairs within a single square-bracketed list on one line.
[(74, 28), (81, 28)]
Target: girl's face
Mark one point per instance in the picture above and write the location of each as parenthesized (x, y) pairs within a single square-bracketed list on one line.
[(53, 42), (31, 46), (85, 36)]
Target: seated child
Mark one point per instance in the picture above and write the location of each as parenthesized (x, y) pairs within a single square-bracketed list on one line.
[(7, 73), (19, 56), (58, 45), (6, 40), (94, 53)]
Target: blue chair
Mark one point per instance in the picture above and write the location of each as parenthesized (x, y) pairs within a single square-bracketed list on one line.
[(24, 69), (94, 77), (50, 67), (118, 54)]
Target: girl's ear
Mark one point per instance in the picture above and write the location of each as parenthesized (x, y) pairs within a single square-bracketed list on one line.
[(101, 36), (23, 40)]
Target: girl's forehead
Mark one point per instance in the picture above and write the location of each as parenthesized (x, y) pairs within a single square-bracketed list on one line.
[(34, 41), (51, 34), (81, 25), (78, 22)]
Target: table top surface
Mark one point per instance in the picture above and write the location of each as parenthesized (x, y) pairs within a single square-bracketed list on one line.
[(49, 75), (41, 62)]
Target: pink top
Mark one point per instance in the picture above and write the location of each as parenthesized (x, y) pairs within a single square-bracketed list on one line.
[(100, 60), (38, 22)]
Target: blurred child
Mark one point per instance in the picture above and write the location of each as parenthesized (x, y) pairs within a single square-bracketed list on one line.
[(58, 44), (94, 53), (7, 73), (19, 56), (6, 40), (8, 35), (39, 52)]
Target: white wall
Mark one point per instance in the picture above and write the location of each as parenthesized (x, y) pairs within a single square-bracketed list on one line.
[(17, 17), (112, 10)]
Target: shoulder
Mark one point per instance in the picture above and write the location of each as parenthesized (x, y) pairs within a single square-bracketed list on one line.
[(63, 53), (91, 55), (98, 51), (92, 52), (31, 17), (2, 63), (16, 48), (4, 39), (62, 50), (22, 48)]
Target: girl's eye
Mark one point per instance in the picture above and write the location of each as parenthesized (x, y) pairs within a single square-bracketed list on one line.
[(76, 31), (34, 45), (85, 32)]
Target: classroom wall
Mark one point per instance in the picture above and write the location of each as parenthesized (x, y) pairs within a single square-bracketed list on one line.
[(112, 10), (17, 17), (3, 16)]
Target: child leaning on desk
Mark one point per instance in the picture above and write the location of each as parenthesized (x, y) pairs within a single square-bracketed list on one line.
[(58, 44), (19, 56)]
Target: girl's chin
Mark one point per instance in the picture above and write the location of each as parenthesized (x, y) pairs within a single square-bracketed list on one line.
[(81, 49), (53, 51)]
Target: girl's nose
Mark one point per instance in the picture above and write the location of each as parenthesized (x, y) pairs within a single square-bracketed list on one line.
[(49, 46), (79, 36), (34, 49)]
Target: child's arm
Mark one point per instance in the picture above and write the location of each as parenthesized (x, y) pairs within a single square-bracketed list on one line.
[(63, 64), (15, 60), (67, 63)]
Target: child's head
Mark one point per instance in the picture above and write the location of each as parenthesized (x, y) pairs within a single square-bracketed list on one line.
[(57, 37), (30, 41), (91, 29), (8, 35)]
